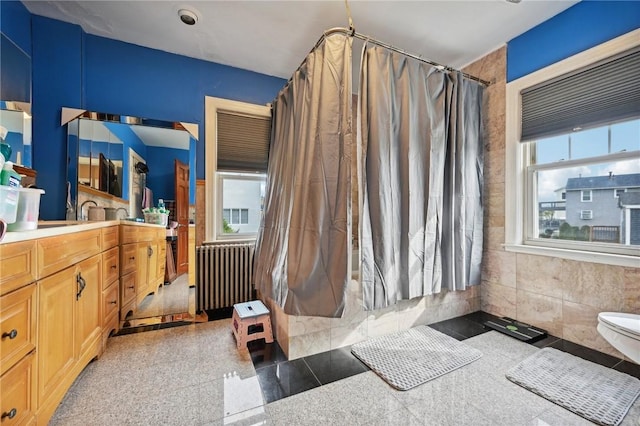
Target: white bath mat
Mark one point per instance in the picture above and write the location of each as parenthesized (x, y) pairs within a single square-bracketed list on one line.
[(599, 394), (415, 356)]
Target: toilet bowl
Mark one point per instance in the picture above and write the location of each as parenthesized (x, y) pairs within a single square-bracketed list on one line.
[(622, 331)]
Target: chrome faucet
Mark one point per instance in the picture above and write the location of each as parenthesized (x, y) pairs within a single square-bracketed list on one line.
[(82, 216), (125, 210)]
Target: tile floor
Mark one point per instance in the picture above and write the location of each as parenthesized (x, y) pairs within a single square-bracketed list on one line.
[(193, 375)]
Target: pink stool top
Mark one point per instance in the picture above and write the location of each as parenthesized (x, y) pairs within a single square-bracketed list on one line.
[(255, 308)]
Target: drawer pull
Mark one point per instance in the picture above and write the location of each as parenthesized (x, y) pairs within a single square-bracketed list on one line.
[(11, 414), (113, 302), (81, 285), (132, 258), (131, 287), (114, 266), (11, 335)]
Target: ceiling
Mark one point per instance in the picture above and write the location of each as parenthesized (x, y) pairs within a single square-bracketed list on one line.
[(273, 37)]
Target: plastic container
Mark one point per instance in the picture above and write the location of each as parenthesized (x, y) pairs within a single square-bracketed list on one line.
[(28, 210), (156, 218), (8, 203), (96, 213)]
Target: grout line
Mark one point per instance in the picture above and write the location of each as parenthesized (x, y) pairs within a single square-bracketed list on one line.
[(312, 372)]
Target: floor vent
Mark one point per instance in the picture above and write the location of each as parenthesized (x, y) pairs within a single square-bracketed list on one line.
[(516, 329)]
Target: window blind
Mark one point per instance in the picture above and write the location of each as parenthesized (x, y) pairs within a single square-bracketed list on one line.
[(243, 142), (605, 92)]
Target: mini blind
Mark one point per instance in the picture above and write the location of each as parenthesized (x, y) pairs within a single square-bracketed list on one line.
[(604, 92), (243, 142)]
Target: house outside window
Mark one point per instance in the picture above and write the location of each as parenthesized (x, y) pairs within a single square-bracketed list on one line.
[(554, 168)]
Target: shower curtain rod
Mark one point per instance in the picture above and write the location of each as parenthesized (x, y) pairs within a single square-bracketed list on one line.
[(352, 33)]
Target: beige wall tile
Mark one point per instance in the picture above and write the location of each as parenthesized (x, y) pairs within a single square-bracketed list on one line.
[(308, 344), (493, 238), (632, 290), (594, 284), (580, 326), (498, 300), (499, 267), (494, 165), (348, 334), (541, 311), (305, 325), (540, 274)]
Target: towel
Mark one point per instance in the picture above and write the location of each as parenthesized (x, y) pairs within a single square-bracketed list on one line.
[(147, 198)]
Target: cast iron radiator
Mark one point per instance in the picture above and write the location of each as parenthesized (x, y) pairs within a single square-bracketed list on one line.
[(224, 275)]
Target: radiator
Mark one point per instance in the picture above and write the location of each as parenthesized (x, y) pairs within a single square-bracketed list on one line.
[(224, 275)]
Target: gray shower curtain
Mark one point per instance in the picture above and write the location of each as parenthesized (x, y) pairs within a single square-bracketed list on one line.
[(303, 244), (421, 161)]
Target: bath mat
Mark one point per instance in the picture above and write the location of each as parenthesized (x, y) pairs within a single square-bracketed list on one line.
[(415, 356), (599, 394)]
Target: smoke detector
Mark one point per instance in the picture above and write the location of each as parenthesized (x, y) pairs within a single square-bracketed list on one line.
[(188, 16)]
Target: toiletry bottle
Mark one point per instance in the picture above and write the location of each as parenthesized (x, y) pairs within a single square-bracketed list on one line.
[(161, 205), (9, 177)]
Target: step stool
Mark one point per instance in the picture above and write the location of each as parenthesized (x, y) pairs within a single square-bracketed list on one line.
[(248, 314)]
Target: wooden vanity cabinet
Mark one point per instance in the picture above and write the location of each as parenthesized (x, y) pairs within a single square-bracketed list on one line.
[(110, 282), (143, 257), (18, 328), (69, 332)]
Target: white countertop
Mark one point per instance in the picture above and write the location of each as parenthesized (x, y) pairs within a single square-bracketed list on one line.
[(52, 228)]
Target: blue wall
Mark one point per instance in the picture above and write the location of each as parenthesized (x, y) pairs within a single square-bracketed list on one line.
[(15, 23), (57, 82), (585, 25), (74, 69), (161, 176)]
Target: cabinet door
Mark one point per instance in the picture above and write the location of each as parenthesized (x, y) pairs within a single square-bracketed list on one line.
[(56, 303), (16, 385), (88, 301), (142, 271), (154, 282)]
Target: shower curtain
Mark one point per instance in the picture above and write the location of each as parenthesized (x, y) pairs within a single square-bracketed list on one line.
[(303, 244), (421, 161)]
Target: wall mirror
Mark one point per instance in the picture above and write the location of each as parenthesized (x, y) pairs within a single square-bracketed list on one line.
[(15, 100), (128, 162)]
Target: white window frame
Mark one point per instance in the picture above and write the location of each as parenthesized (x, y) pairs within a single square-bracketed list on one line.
[(517, 180), (583, 193), (586, 214), (213, 196)]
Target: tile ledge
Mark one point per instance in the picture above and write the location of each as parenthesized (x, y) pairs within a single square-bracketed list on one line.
[(581, 256)]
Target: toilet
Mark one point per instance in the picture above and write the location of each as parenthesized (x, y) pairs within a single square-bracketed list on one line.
[(622, 331)]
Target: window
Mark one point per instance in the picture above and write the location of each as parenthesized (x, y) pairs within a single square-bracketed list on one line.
[(235, 216), (560, 157), (237, 147), (586, 214)]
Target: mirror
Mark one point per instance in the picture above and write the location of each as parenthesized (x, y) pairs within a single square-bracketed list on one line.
[(15, 100), (126, 163)]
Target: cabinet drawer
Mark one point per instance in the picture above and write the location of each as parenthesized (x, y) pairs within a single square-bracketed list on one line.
[(17, 265), (128, 234), (110, 267), (17, 325), (16, 386), (128, 258), (127, 288), (57, 253), (110, 303), (110, 237)]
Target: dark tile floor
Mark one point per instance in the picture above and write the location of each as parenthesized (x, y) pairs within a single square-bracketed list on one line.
[(280, 378)]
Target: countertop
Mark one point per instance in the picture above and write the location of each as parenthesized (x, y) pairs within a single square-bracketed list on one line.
[(60, 227)]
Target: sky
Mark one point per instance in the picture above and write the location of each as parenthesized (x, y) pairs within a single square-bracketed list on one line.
[(584, 144)]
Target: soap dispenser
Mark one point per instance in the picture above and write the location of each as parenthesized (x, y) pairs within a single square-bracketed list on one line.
[(8, 176)]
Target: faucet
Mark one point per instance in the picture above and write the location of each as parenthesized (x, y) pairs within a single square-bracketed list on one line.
[(125, 210), (83, 217)]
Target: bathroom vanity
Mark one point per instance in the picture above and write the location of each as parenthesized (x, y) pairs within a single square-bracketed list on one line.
[(63, 290)]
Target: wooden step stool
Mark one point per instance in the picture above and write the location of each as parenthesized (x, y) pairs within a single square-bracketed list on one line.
[(248, 314)]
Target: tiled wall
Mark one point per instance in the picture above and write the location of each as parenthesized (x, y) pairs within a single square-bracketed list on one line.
[(561, 296)]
